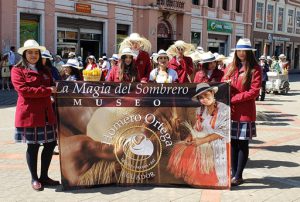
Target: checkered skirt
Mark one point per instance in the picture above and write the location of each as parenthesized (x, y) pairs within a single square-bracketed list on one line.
[(36, 135), (243, 130)]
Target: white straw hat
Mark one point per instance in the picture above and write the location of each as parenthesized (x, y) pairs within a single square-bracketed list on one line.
[(160, 53), (127, 51), (135, 37), (207, 57), (30, 44), (244, 44), (282, 56), (72, 63), (262, 57), (46, 54)]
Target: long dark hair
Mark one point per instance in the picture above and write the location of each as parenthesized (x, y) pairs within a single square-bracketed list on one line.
[(75, 72), (251, 62), (129, 70), (24, 63)]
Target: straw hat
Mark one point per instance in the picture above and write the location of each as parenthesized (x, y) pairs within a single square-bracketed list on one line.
[(127, 51), (115, 57), (71, 54), (72, 63), (160, 53), (31, 44), (262, 57), (46, 54), (187, 48), (244, 44), (269, 58), (203, 87), (207, 57), (282, 56), (145, 44), (221, 58)]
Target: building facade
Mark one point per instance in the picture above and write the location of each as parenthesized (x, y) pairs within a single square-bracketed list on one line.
[(276, 29), (98, 26)]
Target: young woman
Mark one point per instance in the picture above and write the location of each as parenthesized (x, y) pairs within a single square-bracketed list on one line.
[(126, 70), (244, 76), (35, 121), (209, 71), (265, 68), (91, 63), (162, 74), (5, 71), (46, 61), (72, 70), (181, 63), (201, 159)]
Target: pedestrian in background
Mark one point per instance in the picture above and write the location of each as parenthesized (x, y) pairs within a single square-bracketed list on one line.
[(46, 61), (265, 68), (12, 56), (5, 71), (72, 70), (244, 76), (35, 120)]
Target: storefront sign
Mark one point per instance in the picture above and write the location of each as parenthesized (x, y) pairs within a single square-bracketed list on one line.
[(83, 8), (133, 133), (219, 26), (279, 38)]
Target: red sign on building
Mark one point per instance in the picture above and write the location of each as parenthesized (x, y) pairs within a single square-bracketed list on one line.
[(83, 8)]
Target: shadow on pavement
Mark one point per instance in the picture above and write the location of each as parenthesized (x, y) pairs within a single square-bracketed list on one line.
[(273, 118), (282, 148), (255, 141), (269, 182), (270, 164)]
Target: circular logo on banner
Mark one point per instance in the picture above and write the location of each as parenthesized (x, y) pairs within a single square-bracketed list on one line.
[(141, 147)]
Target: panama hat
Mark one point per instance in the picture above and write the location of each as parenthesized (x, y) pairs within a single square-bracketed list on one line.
[(31, 44), (72, 63), (207, 57), (244, 44), (221, 57), (203, 87), (127, 51), (135, 37), (46, 54), (160, 53), (71, 54), (115, 57), (187, 48), (282, 56), (262, 57), (269, 58)]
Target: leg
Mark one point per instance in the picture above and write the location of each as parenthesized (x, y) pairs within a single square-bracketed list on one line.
[(234, 156), (263, 91), (46, 160), (31, 157), (242, 157)]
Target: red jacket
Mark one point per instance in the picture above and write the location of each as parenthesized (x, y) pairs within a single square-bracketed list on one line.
[(183, 68), (34, 103), (201, 77), (242, 100), (143, 65), (114, 76)]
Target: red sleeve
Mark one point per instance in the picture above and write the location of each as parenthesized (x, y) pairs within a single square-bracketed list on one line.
[(253, 92), (111, 74), (199, 77), (189, 65), (148, 69), (22, 88)]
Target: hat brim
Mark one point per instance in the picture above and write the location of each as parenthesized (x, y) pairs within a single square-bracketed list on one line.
[(22, 49), (213, 88), (70, 65), (235, 49), (207, 61), (155, 57), (132, 54)]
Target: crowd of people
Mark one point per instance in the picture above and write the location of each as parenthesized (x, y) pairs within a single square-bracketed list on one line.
[(34, 75)]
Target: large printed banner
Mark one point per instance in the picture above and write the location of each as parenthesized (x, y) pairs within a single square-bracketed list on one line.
[(133, 133)]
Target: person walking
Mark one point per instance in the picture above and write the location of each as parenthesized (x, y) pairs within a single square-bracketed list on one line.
[(244, 76), (265, 68), (5, 71), (35, 120)]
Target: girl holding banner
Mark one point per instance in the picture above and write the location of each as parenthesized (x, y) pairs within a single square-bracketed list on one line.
[(245, 77)]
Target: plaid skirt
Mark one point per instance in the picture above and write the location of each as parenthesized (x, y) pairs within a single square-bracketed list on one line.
[(36, 135), (243, 130)]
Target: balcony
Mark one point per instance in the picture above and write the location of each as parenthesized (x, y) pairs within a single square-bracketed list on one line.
[(175, 5)]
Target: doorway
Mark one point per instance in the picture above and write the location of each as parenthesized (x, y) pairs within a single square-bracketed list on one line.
[(296, 59), (89, 48), (164, 43)]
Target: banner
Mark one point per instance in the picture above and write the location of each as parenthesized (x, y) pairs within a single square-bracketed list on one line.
[(134, 133)]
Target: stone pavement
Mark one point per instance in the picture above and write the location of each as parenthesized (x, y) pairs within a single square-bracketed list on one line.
[(272, 172)]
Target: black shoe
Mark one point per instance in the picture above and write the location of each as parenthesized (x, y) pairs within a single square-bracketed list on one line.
[(37, 186), (236, 182), (49, 182)]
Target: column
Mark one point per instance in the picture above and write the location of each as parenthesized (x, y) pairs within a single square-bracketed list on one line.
[(112, 32), (50, 27)]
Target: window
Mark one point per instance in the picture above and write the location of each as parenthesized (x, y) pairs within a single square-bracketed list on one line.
[(298, 19), (210, 3), (290, 17), (195, 38), (195, 2), (122, 33), (224, 5), (29, 27), (259, 11), (238, 7), (270, 13), (280, 19)]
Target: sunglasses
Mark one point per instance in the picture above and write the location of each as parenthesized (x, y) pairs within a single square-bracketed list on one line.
[(163, 58), (180, 49)]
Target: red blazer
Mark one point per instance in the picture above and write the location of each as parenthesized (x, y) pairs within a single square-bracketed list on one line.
[(143, 65), (34, 103), (243, 100), (201, 77), (114, 75), (183, 68)]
